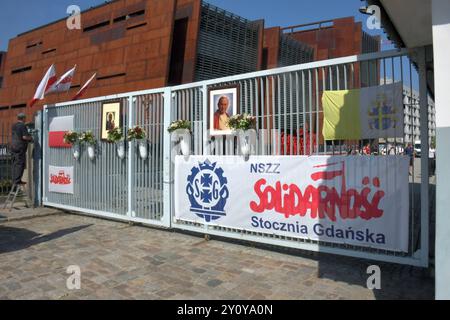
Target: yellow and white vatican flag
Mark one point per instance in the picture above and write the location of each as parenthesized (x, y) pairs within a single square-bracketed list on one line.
[(367, 113)]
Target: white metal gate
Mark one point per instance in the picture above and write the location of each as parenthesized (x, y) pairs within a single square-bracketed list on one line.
[(286, 102)]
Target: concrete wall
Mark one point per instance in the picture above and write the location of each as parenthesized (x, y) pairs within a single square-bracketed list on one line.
[(441, 44)]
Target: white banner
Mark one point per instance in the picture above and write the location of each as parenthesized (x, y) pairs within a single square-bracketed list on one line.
[(60, 179), (356, 200)]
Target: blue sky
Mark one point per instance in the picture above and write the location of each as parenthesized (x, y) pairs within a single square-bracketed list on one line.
[(22, 15)]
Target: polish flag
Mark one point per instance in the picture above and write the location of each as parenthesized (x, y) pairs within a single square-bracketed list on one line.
[(57, 129), (84, 88), (48, 80), (63, 84)]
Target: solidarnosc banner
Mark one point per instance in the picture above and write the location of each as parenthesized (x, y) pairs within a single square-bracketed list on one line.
[(358, 200), (60, 179)]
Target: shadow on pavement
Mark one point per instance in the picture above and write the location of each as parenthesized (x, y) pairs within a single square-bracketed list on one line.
[(16, 239), (397, 281)]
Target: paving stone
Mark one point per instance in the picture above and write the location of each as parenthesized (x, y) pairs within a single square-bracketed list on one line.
[(122, 262), (214, 283)]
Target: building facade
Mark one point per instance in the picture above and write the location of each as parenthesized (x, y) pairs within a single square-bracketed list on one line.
[(412, 116), (340, 38), (135, 44), (411, 104), (2, 64)]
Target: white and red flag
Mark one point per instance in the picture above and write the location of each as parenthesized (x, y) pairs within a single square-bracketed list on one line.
[(48, 81), (57, 128), (84, 88), (63, 84)]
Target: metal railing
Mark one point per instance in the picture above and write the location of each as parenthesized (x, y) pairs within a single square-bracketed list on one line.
[(5, 160), (287, 105)]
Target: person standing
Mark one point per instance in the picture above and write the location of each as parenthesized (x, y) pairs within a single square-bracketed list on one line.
[(409, 151), (432, 161), (19, 145)]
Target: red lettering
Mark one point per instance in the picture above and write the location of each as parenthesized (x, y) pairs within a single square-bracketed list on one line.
[(322, 202), (60, 179)]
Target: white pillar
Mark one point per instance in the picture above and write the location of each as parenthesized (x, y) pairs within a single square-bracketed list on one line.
[(425, 183), (441, 45), (167, 155), (131, 157)]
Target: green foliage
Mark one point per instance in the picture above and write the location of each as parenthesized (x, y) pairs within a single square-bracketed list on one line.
[(179, 124), (88, 138), (71, 137), (136, 133), (242, 122), (115, 135)]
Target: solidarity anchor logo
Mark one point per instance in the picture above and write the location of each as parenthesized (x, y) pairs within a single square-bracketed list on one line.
[(207, 191)]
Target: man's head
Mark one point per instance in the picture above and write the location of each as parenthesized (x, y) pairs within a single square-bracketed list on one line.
[(21, 116), (223, 104)]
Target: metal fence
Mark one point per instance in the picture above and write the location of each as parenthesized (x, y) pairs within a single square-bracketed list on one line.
[(287, 105), (5, 160), (126, 189)]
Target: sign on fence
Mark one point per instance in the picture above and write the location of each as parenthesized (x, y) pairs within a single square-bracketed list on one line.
[(60, 179), (356, 200), (57, 129)]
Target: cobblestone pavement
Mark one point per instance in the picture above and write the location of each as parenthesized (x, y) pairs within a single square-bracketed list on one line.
[(119, 261), (25, 213)]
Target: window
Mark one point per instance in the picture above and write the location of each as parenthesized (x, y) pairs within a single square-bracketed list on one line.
[(178, 50), (49, 51), (20, 70), (137, 13), (96, 26), (129, 16), (112, 76), (19, 106), (34, 45), (119, 19), (137, 26)]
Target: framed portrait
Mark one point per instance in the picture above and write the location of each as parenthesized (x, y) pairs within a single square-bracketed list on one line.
[(223, 104), (111, 118)]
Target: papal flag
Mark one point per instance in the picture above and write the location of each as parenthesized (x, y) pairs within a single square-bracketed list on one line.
[(367, 113)]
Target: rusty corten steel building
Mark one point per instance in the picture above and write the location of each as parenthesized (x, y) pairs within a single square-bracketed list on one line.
[(136, 44)]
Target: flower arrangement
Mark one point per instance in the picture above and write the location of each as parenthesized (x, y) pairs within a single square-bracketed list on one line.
[(115, 135), (88, 138), (136, 133), (242, 122), (71, 137), (179, 124)]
